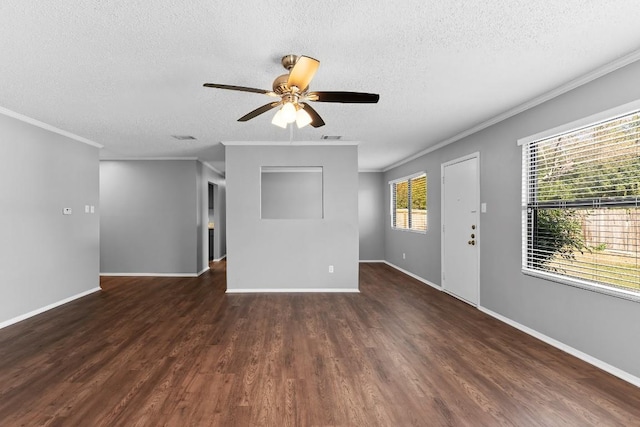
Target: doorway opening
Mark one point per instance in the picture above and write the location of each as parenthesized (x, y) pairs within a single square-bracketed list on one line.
[(211, 223)]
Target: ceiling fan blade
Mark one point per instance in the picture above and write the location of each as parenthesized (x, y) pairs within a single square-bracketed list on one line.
[(316, 120), (240, 88), (344, 97), (302, 72), (259, 111)]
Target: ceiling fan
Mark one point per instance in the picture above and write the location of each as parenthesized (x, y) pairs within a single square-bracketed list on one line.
[(293, 90)]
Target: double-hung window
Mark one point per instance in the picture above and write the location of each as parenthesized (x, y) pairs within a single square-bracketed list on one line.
[(409, 203), (581, 203)]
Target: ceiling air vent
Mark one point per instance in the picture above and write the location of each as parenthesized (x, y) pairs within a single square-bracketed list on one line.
[(331, 137), (183, 137)]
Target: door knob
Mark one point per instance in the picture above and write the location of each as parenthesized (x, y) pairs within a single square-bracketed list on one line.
[(471, 242)]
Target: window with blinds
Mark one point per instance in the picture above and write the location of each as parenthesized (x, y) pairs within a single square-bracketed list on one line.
[(409, 203), (581, 205)]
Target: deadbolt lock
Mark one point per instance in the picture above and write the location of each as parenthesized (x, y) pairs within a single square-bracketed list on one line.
[(472, 242), (473, 227), (473, 235)]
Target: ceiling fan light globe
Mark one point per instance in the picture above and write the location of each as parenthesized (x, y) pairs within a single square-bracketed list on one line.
[(303, 118), (278, 120), (288, 112)]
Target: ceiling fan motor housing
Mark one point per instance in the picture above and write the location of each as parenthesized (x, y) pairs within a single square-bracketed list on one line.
[(280, 84)]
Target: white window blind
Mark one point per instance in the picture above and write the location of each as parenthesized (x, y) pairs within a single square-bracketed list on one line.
[(581, 204), (409, 203)]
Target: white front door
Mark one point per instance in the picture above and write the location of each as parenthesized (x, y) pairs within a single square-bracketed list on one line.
[(460, 230)]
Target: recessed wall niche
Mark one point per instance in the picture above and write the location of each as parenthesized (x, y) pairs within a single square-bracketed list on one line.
[(291, 192)]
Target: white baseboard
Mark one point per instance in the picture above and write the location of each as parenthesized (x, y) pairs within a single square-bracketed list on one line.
[(372, 260), (632, 379), (567, 349), (295, 290), (150, 274), (415, 276), (162, 274), (46, 308)]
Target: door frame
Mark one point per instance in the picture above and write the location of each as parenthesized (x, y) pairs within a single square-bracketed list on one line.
[(216, 218), (475, 155)]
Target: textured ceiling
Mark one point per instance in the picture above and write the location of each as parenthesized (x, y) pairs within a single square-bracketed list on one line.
[(128, 75)]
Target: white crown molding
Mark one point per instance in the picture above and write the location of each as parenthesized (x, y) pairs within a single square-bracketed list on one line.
[(290, 143), (370, 170), (213, 168), (48, 127), (573, 84), (127, 159), (291, 169)]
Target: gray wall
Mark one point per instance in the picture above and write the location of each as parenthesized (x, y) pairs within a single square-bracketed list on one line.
[(422, 251), (371, 214), (602, 326), (291, 195), (292, 254), (149, 217), (45, 256)]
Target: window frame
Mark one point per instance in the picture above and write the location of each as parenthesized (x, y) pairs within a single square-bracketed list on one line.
[(592, 120), (408, 180)]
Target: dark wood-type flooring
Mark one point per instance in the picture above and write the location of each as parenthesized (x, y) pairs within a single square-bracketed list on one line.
[(180, 352)]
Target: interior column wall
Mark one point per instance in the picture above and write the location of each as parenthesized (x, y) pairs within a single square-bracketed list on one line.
[(295, 254)]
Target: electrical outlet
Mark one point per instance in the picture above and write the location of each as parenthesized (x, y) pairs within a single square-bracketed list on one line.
[(404, 256), (331, 269)]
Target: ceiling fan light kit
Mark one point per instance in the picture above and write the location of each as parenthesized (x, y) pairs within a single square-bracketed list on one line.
[(293, 90), (302, 117), (290, 113), (278, 120)]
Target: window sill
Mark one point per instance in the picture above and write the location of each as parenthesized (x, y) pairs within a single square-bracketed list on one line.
[(409, 230), (577, 283)]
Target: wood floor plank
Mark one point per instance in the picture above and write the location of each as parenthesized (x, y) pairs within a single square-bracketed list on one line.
[(151, 351)]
